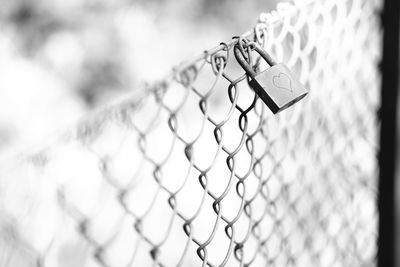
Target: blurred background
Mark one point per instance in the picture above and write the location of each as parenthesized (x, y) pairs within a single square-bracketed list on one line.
[(60, 59)]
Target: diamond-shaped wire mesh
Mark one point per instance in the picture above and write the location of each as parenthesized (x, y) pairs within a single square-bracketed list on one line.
[(196, 171)]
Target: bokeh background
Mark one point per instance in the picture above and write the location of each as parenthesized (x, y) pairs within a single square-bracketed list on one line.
[(61, 59)]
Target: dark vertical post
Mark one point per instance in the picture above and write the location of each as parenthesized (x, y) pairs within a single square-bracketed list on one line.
[(387, 152)]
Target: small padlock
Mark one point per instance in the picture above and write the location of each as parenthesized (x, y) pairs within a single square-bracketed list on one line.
[(276, 86)]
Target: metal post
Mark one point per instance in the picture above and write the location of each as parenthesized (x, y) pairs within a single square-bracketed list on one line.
[(387, 152)]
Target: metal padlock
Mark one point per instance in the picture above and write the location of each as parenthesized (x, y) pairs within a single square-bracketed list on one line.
[(276, 85)]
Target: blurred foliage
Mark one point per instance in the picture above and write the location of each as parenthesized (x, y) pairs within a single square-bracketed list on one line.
[(32, 24), (60, 59)]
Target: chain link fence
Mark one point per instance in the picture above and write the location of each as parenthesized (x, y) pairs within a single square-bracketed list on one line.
[(196, 171)]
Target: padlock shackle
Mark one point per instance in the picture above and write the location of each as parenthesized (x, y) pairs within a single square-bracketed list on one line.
[(242, 61)]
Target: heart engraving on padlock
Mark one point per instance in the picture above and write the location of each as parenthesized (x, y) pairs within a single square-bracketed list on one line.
[(282, 81), (273, 84)]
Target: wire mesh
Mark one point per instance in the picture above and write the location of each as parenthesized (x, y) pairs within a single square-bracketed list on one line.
[(196, 171)]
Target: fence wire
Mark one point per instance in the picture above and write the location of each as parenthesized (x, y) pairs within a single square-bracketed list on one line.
[(196, 171)]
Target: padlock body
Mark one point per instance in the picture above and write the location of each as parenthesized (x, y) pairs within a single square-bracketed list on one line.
[(277, 87)]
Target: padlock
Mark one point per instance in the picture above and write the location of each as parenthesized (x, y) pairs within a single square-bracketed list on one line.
[(276, 86)]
